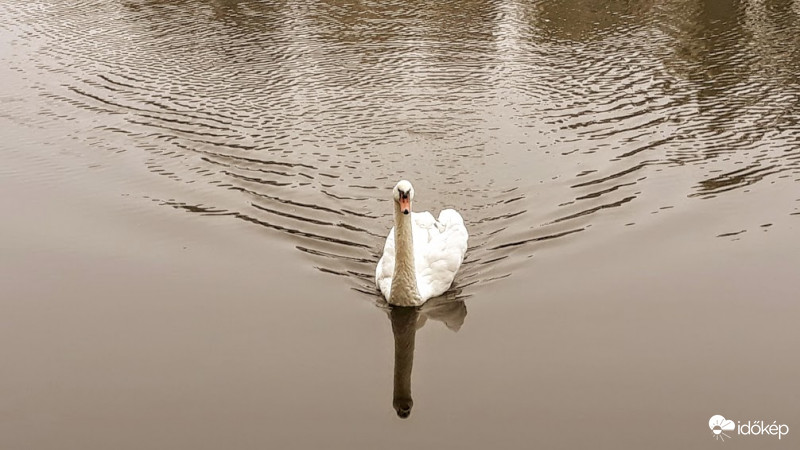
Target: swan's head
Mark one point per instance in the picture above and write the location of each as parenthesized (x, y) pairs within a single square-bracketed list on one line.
[(404, 194)]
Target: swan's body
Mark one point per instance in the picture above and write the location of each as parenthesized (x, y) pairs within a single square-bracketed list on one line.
[(422, 254)]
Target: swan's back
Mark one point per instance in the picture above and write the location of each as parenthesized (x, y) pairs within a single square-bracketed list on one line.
[(439, 248), (440, 258)]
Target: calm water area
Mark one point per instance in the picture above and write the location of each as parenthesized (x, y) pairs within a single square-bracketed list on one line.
[(194, 195)]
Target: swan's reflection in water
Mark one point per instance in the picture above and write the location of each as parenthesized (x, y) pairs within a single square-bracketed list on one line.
[(405, 323)]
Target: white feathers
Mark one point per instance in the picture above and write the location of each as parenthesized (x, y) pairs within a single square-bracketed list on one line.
[(438, 248)]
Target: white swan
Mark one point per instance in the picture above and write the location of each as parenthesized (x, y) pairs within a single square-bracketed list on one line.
[(422, 254)]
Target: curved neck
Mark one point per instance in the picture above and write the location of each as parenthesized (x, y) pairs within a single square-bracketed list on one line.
[(404, 280)]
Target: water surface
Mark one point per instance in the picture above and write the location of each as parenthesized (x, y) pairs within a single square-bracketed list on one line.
[(627, 170)]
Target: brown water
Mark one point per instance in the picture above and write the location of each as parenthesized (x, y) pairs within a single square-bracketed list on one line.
[(195, 194)]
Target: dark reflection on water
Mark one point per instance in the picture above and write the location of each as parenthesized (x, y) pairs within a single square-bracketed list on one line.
[(404, 327), (537, 120), (405, 323)]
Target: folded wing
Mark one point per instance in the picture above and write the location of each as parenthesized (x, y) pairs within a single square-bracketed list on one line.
[(438, 260)]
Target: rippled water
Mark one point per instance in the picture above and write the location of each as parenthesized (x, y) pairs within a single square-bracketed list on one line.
[(548, 124), (538, 120)]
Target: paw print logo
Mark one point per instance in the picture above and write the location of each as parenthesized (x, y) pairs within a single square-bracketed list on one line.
[(719, 425)]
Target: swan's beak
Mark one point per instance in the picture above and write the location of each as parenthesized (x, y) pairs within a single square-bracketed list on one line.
[(405, 205)]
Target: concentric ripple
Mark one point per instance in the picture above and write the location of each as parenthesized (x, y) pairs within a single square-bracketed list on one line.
[(538, 120)]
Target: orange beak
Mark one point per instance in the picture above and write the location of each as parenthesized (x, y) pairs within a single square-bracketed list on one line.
[(405, 205)]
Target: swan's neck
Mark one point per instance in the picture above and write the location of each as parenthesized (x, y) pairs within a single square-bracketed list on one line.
[(404, 280)]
